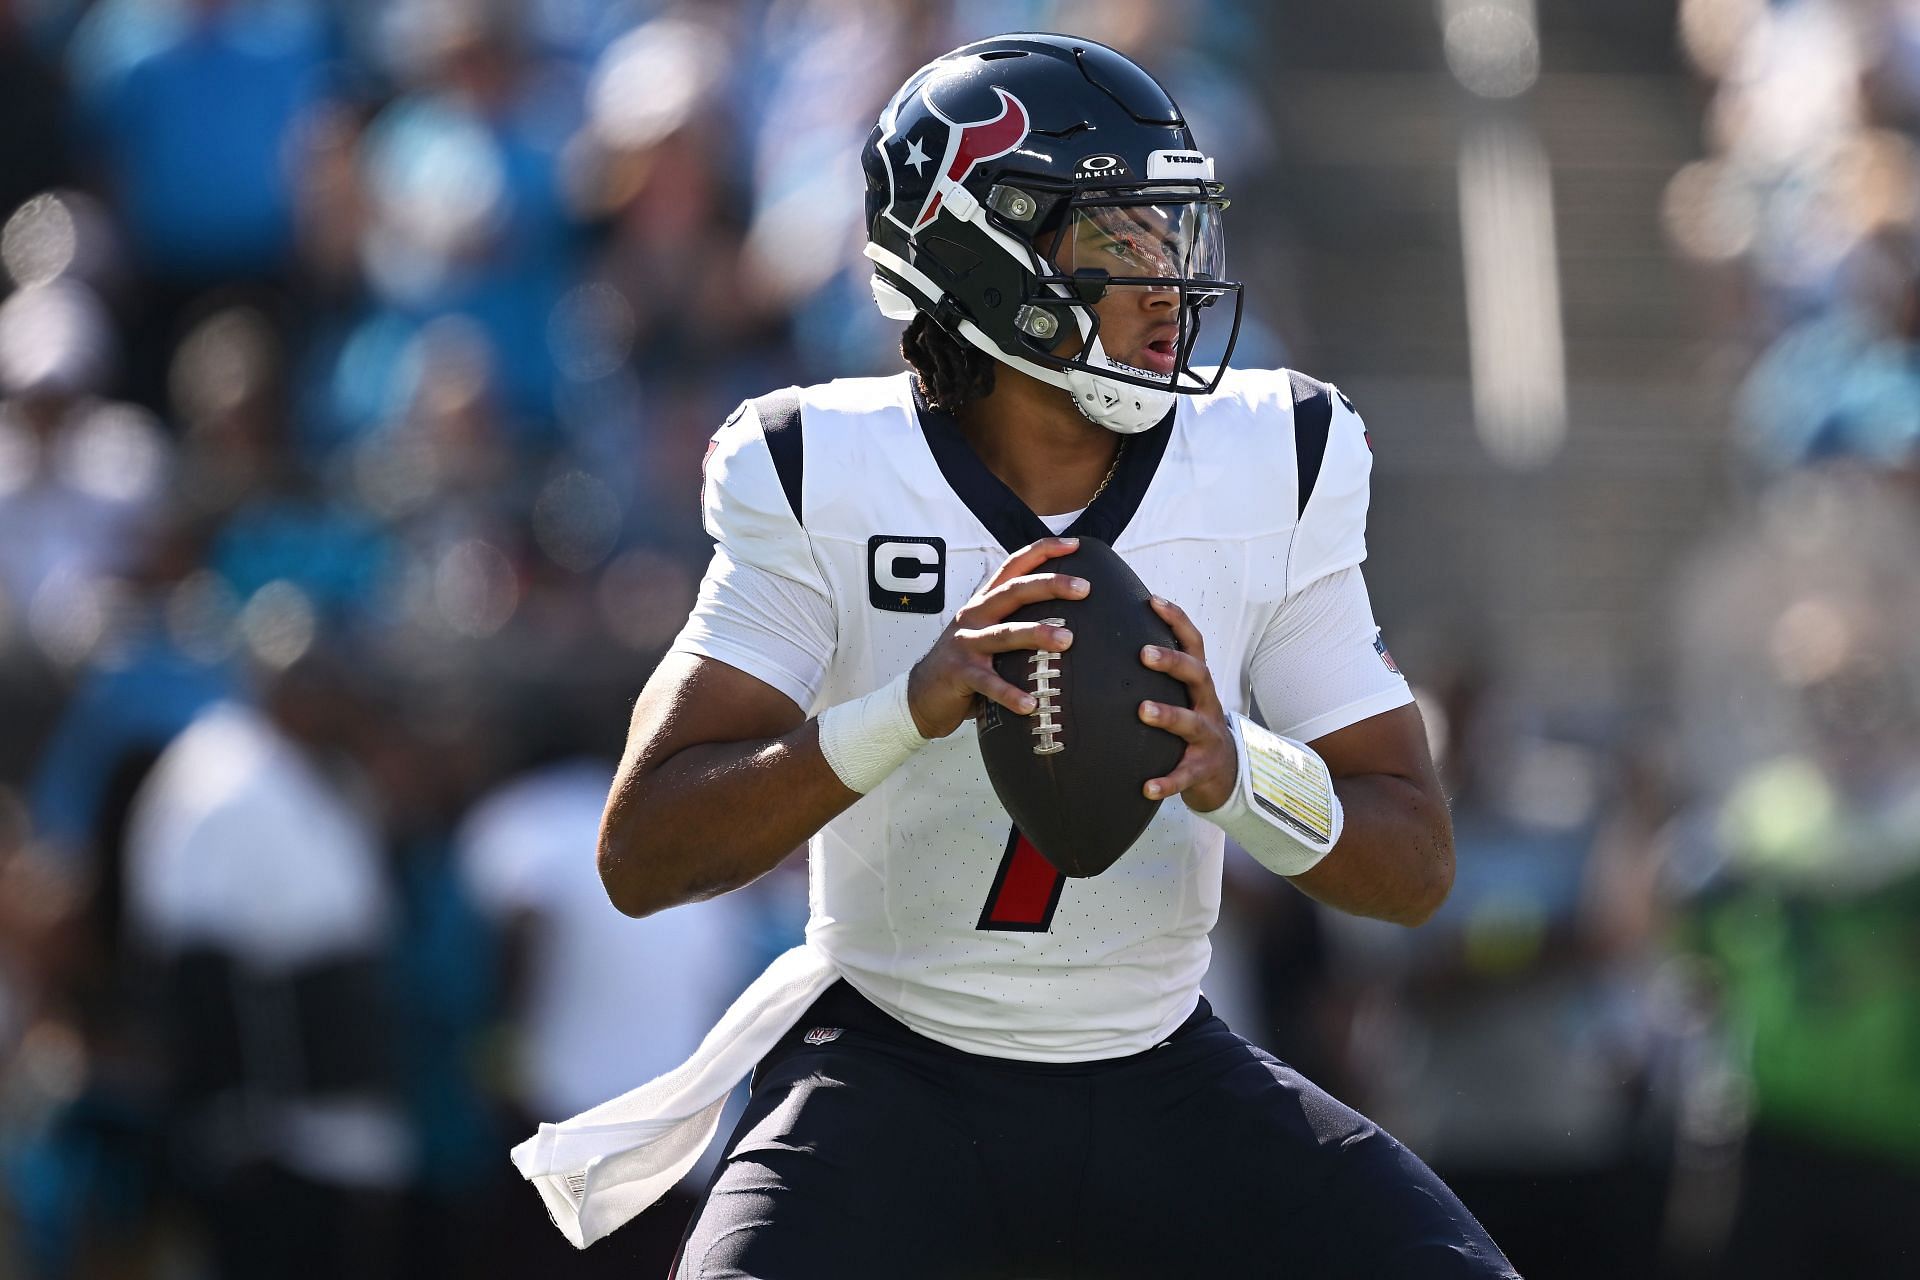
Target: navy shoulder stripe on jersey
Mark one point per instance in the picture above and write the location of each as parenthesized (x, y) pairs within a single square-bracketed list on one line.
[(779, 414), (1312, 419)]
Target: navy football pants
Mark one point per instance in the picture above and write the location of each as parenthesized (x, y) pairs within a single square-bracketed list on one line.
[(880, 1153)]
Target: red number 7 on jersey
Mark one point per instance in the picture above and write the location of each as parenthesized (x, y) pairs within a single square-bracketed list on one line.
[(1025, 890)]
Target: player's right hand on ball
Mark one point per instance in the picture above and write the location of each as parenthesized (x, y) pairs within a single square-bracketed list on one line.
[(942, 686)]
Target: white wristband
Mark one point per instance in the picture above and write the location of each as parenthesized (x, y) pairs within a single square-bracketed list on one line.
[(1283, 810), (868, 738)]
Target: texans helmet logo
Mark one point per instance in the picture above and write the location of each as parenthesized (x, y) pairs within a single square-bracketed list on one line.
[(936, 155)]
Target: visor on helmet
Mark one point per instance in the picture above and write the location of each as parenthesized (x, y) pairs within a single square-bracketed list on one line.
[(1163, 237), (1142, 242)]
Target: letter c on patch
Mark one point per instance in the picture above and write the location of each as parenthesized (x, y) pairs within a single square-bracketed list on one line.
[(889, 558)]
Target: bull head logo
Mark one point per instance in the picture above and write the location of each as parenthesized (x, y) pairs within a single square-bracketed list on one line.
[(967, 144)]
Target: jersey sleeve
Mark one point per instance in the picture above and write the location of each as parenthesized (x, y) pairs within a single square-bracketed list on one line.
[(1332, 531), (1320, 664), (764, 607), (779, 631), (749, 508)]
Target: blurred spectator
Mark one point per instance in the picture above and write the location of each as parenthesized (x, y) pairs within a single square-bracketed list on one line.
[(669, 292), (164, 661), (226, 386), (1846, 383), (1787, 106), (446, 459), (77, 474), (445, 495), (464, 208), (57, 1154), (1802, 687), (597, 1003), (264, 516), (1511, 1046), (257, 885), (439, 744), (809, 121), (191, 108)]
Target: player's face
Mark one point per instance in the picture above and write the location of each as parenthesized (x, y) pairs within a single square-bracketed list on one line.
[(1140, 323)]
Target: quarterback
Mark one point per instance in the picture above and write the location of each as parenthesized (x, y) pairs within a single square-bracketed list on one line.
[(978, 1068)]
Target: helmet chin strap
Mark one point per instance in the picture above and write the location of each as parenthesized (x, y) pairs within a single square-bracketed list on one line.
[(1120, 407)]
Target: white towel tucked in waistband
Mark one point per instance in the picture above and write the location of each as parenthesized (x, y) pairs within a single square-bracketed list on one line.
[(608, 1163)]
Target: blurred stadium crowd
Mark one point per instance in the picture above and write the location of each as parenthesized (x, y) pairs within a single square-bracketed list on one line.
[(356, 361)]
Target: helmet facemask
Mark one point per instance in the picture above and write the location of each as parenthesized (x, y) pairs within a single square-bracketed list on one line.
[(1158, 245), (1072, 250)]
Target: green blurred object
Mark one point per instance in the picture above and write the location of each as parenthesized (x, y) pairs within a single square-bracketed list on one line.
[(1821, 967)]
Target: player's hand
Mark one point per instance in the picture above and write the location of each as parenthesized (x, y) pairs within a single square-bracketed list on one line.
[(1209, 769), (942, 686)]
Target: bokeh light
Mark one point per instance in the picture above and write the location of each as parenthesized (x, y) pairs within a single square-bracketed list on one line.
[(576, 520), (592, 332), (1492, 48), (68, 615), (55, 338), (475, 589), (279, 625), (39, 242), (203, 618), (644, 596)]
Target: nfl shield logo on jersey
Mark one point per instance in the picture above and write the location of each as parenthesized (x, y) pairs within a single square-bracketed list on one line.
[(1380, 647), (822, 1035)]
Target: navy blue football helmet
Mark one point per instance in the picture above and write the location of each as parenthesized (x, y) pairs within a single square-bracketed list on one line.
[(1013, 182)]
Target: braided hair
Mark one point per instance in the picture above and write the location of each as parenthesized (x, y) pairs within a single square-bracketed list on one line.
[(950, 372)]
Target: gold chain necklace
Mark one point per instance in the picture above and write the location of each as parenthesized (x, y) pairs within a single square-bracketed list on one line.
[(1111, 468)]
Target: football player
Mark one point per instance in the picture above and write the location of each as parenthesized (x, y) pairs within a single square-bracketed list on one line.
[(978, 1068)]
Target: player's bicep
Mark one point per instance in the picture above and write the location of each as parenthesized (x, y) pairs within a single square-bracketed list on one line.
[(1393, 743), (745, 667), (692, 700)]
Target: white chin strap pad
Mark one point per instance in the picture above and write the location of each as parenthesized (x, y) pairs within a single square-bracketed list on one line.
[(1118, 406)]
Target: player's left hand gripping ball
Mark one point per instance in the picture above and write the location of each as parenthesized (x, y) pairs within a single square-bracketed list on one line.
[(1209, 768)]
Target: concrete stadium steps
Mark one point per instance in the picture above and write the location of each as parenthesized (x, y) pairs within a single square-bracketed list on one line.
[(1372, 198), (1559, 573)]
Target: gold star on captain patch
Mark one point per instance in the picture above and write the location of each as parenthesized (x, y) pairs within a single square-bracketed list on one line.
[(904, 600)]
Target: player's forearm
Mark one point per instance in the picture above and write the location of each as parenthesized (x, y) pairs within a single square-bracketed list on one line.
[(714, 817), (1395, 857)]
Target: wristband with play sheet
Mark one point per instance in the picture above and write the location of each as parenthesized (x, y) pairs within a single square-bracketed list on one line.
[(1283, 809)]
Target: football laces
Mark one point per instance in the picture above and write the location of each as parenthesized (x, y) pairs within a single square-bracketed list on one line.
[(1042, 667)]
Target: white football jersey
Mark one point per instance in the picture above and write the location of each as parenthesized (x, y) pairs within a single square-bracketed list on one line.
[(872, 511)]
